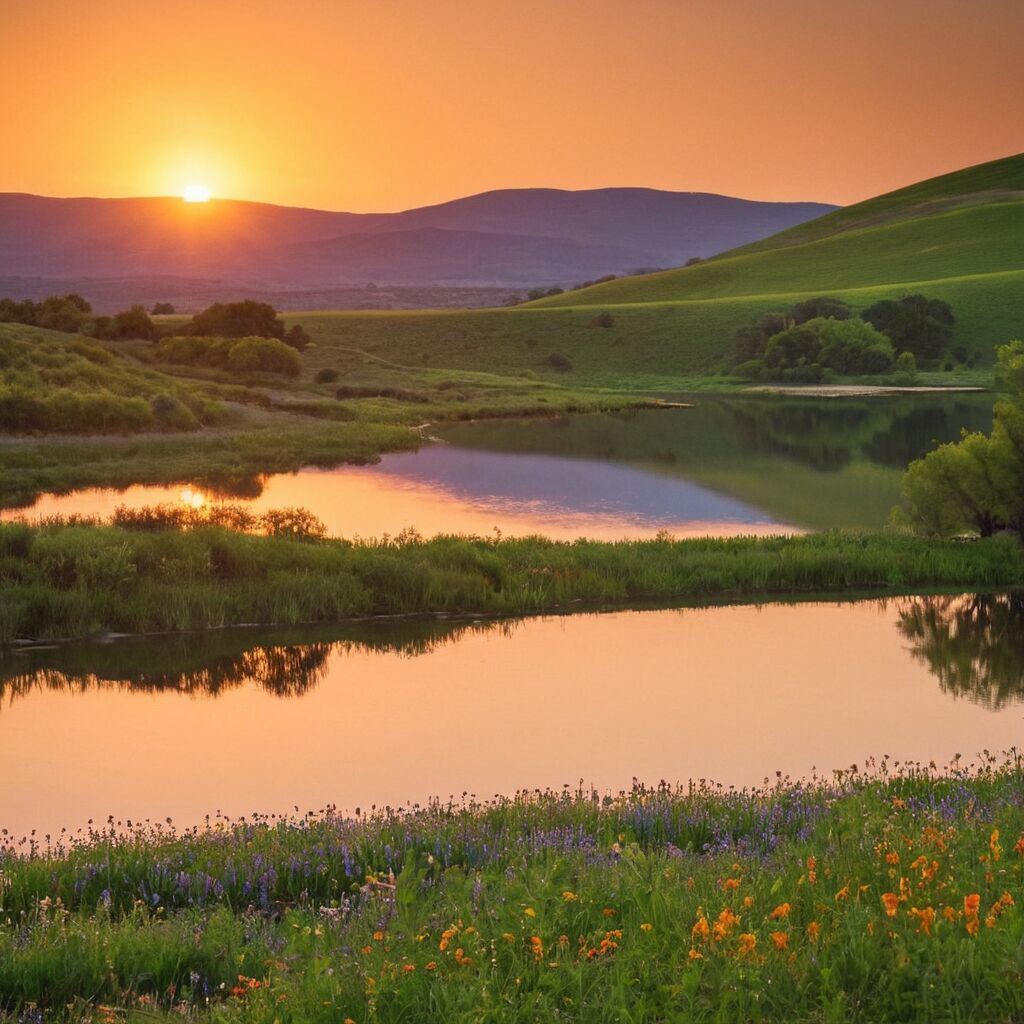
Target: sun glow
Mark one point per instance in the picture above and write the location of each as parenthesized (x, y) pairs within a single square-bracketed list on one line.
[(196, 194)]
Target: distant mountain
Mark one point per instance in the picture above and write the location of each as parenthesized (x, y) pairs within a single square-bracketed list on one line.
[(510, 238)]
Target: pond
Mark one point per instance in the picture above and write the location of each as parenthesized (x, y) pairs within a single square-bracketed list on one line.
[(728, 465), (236, 722)]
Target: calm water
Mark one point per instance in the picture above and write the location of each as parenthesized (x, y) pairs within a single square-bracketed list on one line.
[(388, 714), (725, 466)]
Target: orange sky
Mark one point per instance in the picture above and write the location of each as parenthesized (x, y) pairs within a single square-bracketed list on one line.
[(389, 104)]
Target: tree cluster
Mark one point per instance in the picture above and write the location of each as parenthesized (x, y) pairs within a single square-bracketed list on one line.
[(820, 336), (238, 355), (246, 319)]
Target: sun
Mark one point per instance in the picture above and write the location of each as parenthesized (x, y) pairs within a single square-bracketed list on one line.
[(196, 194)]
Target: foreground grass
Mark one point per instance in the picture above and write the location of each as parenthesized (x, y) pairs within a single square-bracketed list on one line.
[(891, 896), (73, 579)]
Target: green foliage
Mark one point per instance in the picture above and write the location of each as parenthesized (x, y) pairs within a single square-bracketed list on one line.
[(55, 385), (245, 319), (914, 323), (212, 576), (263, 355), (805, 351), (240, 356), (977, 484)]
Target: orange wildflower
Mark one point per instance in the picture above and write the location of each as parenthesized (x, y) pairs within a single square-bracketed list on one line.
[(971, 924), (1018, 847), (993, 844), (950, 914), (892, 858), (537, 946), (779, 939), (701, 930), (813, 931), (843, 894), (378, 936), (695, 954), (608, 912), (731, 883), (972, 904), (748, 901), (409, 968), (925, 919), (724, 924), (891, 903), (432, 966), (781, 911), (568, 896), (747, 943), (646, 926)]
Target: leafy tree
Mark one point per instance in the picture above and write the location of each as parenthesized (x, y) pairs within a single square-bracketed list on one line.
[(914, 323), (134, 323), (162, 309), (266, 355), (246, 319), (799, 345), (978, 483), (852, 346), (297, 337)]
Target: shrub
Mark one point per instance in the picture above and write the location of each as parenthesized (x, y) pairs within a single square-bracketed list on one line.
[(172, 414), (297, 338), (326, 376), (94, 353), (264, 355), (602, 320), (162, 309)]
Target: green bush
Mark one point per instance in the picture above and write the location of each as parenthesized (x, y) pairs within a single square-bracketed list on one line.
[(264, 355)]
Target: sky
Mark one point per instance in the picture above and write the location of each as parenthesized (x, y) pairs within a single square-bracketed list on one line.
[(391, 104)]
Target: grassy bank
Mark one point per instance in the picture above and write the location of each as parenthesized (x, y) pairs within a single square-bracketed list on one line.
[(893, 895), (63, 580)]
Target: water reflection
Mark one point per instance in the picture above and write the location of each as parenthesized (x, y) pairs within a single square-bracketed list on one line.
[(728, 465), (407, 711), (973, 644), (283, 664)]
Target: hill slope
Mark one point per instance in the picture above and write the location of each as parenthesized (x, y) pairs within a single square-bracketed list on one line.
[(962, 225), (535, 236)]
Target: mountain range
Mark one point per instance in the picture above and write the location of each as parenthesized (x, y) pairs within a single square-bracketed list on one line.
[(512, 238)]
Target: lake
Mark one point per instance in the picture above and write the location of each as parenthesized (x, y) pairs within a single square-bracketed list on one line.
[(385, 713), (726, 466)]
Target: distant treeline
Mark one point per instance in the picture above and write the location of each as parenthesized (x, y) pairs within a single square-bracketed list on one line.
[(73, 314)]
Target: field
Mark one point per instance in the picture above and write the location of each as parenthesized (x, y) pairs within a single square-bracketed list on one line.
[(72, 579), (881, 893)]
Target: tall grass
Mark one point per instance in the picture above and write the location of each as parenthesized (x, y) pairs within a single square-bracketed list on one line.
[(68, 578)]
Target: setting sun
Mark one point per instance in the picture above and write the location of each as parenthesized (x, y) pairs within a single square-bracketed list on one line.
[(196, 194)]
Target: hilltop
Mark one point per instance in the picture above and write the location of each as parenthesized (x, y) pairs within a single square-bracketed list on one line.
[(967, 223), (508, 238)]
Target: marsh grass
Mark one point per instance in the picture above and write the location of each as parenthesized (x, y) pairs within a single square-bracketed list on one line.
[(890, 893), (73, 578)]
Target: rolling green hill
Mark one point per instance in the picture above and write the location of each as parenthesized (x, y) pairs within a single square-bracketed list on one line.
[(967, 223), (959, 237)]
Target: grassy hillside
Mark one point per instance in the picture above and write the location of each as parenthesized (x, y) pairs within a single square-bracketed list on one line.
[(650, 345), (963, 224)]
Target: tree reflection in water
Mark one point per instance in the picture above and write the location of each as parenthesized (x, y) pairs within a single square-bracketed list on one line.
[(284, 664), (973, 644)]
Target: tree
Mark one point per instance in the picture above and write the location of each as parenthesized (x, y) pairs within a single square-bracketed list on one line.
[(914, 323), (162, 309), (976, 484), (134, 322), (246, 319), (297, 338)]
